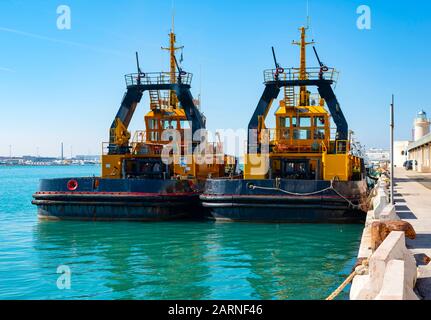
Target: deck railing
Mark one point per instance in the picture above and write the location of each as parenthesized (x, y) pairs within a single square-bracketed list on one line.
[(313, 73), (157, 78)]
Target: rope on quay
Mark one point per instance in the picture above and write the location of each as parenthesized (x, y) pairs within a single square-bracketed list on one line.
[(341, 287), (349, 279), (367, 203), (331, 187)]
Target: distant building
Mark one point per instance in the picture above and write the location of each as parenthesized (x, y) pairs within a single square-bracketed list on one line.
[(38, 159), (10, 161), (87, 157), (419, 149), (29, 160), (401, 152), (376, 156)]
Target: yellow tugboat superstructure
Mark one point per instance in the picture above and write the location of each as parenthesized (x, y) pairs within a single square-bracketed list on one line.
[(300, 146), (166, 114)]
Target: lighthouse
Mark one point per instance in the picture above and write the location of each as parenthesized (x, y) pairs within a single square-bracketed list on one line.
[(421, 125)]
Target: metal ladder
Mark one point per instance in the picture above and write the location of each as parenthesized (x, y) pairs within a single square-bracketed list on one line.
[(154, 97), (289, 93), (164, 100), (289, 96)]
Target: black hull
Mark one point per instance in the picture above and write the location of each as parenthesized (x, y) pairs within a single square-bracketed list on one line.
[(116, 199), (234, 200)]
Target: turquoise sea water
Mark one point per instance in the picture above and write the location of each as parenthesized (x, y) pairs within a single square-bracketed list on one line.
[(169, 260)]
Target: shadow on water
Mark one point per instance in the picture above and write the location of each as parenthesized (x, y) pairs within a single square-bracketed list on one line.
[(195, 260)]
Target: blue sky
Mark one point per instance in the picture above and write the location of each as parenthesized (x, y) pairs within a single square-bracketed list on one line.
[(66, 85)]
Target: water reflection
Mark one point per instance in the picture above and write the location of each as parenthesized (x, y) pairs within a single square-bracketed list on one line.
[(199, 260)]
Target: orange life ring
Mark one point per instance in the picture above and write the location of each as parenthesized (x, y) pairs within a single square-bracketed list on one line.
[(192, 186), (72, 185)]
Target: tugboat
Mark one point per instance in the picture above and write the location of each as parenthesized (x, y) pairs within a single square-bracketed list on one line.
[(137, 182), (296, 172)]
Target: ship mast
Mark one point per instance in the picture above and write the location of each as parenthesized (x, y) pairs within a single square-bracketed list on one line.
[(303, 96), (173, 100)]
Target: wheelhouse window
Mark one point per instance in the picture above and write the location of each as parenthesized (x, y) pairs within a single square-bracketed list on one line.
[(302, 134), (319, 134), (341, 146), (153, 127), (319, 121), (285, 134), (284, 128), (168, 124), (184, 124), (154, 136), (153, 124), (304, 130), (285, 122), (304, 122)]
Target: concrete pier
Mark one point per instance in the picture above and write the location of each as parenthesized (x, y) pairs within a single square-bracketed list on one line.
[(413, 204), (395, 249)]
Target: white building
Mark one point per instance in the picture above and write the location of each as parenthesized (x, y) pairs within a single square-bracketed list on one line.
[(420, 149), (401, 152)]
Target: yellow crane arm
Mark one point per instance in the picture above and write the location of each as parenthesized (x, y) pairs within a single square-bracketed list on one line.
[(122, 135)]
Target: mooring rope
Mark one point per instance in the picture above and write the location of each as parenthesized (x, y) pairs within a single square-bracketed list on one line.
[(342, 286), (351, 204), (331, 187), (367, 202), (253, 187), (349, 279)]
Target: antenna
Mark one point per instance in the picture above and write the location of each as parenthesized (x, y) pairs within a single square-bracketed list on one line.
[(275, 58), (178, 66), (200, 86), (180, 71), (173, 15), (173, 100), (138, 78), (317, 56), (308, 22), (323, 67), (278, 69), (137, 63)]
